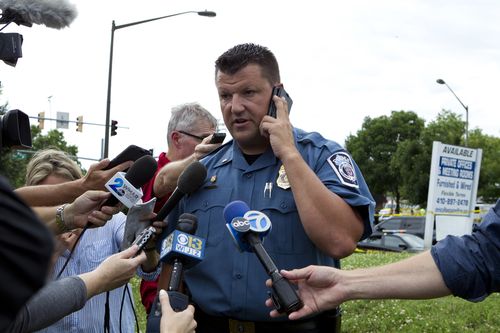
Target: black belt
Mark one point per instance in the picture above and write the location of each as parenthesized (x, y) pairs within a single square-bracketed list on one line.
[(326, 322)]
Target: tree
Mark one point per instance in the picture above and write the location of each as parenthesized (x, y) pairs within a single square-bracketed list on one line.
[(13, 162), (414, 158), (374, 148), (489, 178)]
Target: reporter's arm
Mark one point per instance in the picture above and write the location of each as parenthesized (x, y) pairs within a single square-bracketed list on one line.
[(113, 272), (62, 297), (417, 277), (322, 288), (86, 208), (53, 302), (166, 179), (51, 195)]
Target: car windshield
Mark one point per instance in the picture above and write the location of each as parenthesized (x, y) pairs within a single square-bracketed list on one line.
[(412, 240)]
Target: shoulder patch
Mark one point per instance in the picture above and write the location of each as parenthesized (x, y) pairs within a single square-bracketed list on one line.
[(342, 164)]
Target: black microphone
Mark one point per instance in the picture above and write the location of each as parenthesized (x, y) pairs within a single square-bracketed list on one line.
[(55, 14), (180, 250), (247, 228), (191, 178), (139, 174)]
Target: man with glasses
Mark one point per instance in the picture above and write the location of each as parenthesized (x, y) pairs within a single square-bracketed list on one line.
[(189, 130)]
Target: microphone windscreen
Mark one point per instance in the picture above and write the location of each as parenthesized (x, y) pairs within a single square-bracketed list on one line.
[(55, 14), (192, 177), (141, 171), (234, 209), (187, 223)]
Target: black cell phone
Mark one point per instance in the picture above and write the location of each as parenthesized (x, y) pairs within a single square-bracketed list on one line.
[(279, 91), (131, 153), (218, 138)]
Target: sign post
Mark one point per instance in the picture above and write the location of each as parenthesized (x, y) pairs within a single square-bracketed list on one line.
[(453, 182)]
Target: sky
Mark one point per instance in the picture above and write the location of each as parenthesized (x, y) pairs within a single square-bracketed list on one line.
[(340, 61)]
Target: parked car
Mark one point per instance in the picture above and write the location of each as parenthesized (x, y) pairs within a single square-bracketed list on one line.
[(414, 225), (394, 242)]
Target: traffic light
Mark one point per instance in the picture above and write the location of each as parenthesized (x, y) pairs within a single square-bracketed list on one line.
[(41, 119), (114, 126), (79, 123)]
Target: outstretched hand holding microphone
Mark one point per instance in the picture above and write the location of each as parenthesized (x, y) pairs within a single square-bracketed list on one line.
[(248, 229)]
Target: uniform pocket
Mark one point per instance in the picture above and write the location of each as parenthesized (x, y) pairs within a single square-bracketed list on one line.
[(287, 235), (208, 208)]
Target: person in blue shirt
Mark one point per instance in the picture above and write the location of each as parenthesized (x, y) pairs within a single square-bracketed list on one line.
[(310, 187), (466, 267)]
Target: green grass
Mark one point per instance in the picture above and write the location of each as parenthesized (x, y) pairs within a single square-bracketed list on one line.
[(448, 314), (139, 308)]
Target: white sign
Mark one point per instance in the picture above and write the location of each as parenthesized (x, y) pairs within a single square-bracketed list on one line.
[(62, 120), (453, 182)]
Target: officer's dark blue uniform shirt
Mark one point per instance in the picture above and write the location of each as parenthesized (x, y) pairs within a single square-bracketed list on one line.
[(470, 265), (231, 284)]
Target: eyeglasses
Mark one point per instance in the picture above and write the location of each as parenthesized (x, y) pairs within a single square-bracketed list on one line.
[(194, 136)]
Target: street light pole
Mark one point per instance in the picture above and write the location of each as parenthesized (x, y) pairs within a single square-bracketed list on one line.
[(116, 27), (440, 81)]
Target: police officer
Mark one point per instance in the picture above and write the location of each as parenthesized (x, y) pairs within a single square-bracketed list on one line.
[(310, 187)]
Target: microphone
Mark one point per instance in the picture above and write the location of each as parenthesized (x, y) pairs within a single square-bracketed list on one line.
[(181, 249), (191, 178), (55, 14), (240, 215), (247, 228), (126, 187)]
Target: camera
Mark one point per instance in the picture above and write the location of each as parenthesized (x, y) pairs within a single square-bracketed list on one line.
[(15, 131), (10, 48)]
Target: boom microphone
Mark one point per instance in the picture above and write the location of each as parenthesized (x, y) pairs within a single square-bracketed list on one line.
[(55, 14), (247, 228), (189, 181), (127, 188)]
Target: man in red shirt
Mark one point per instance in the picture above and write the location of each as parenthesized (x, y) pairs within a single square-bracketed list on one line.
[(189, 130)]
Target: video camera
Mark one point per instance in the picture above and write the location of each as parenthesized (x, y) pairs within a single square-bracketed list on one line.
[(10, 47), (55, 14), (15, 130)]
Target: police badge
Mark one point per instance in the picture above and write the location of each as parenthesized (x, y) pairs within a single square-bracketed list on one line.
[(342, 164), (282, 180)]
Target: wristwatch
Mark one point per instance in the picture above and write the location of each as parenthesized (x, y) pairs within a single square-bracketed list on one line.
[(60, 219)]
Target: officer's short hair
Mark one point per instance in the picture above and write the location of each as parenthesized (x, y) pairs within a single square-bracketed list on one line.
[(239, 56)]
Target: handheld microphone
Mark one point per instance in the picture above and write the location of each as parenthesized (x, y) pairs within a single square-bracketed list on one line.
[(126, 188), (189, 181), (179, 250), (143, 238), (182, 250), (240, 215), (247, 229), (55, 14)]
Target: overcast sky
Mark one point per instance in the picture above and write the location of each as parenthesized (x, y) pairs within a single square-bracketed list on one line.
[(340, 61)]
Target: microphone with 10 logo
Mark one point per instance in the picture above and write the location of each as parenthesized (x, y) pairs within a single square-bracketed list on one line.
[(248, 228)]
